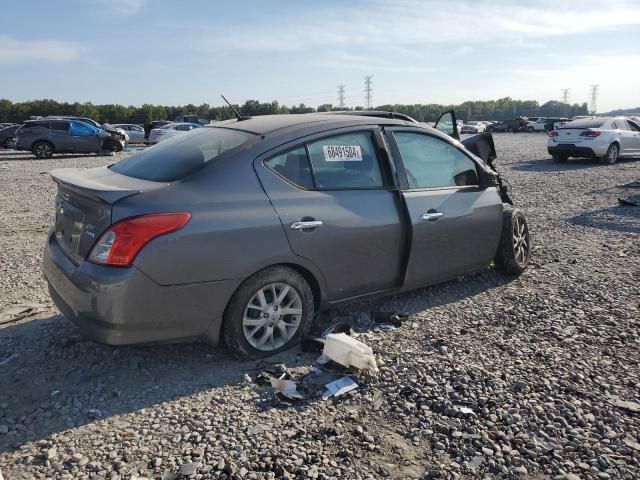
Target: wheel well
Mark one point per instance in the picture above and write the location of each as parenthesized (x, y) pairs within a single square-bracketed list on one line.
[(311, 280)]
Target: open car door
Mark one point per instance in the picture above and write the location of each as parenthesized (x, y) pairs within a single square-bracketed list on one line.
[(447, 124)]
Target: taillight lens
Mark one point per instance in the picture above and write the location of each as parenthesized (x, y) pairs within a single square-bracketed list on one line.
[(553, 133), (119, 245), (590, 133)]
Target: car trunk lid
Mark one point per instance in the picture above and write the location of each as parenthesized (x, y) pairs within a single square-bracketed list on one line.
[(84, 204), (570, 135)]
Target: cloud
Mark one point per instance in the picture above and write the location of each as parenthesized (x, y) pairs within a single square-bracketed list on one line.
[(414, 23), (13, 51), (124, 7)]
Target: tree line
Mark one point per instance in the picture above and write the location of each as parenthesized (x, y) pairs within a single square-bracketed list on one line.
[(502, 109)]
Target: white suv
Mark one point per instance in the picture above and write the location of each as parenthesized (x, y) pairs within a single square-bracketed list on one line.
[(604, 138)]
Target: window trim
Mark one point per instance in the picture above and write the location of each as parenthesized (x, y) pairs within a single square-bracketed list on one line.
[(399, 162), (385, 170)]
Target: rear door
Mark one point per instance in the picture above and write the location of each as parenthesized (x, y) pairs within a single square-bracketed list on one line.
[(456, 224), (339, 209), (626, 136), (59, 135)]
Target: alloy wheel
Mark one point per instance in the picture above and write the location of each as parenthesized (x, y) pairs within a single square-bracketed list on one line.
[(43, 151), (520, 240), (272, 316), (613, 153)]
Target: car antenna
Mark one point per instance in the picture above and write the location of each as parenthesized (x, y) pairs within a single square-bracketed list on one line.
[(240, 117)]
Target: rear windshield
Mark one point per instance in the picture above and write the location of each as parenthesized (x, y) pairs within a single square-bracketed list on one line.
[(585, 123), (179, 156)]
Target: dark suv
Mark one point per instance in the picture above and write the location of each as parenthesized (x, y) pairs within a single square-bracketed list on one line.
[(44, 137)]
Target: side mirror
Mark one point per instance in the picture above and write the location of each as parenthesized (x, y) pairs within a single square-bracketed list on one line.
[(487, 178)]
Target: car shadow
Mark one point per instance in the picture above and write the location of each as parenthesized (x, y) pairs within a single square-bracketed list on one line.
[(620, 218), (52, 379), (548, 165)]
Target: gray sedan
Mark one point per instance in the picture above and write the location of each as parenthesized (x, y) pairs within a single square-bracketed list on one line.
[(245, 230), (135, 132)]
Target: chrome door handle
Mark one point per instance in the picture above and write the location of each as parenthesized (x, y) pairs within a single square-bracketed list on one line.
[(305, 225), (429, 217)]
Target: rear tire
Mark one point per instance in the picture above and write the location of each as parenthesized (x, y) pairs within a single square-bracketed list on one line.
[(530, 129), (254, 325), (613, 152), (559, 157), (43, 150), (514, 250)]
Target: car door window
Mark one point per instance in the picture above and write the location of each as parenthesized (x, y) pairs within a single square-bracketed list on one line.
[(633, 126), (183, 128), (81, 129), (345, 161), (293, 166), (433, 163), (60, 126)]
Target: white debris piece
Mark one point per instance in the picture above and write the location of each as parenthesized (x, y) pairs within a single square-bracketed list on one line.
[(339, 387), (348, 351), (287, 388)]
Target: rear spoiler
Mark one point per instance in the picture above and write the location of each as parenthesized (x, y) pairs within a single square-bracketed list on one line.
[(101, 184)]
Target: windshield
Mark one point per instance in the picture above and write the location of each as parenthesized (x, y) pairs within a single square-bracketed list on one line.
[(181, 155)]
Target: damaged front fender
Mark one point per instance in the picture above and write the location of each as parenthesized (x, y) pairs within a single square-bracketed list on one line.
[(482, 146)]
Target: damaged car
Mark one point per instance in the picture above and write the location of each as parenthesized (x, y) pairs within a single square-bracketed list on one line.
[(245, 230), (44, 137)]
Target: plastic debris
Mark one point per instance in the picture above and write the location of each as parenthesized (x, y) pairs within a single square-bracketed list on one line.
[(466, 410), (348, 351), (342, 327), (339, 387), (312, 344), (18, 312), (631, 406), (169, 475), (95, 413), (392, 318), (631, 200), (288, 388), (188, 469)]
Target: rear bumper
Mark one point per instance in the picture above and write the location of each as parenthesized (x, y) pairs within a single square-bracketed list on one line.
[(122, 306), (571, 150)]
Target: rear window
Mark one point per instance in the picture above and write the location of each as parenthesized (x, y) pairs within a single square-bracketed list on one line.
[(177, 157), (586, 123)]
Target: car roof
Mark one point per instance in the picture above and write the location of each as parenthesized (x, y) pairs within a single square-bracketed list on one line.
[(269, 124)]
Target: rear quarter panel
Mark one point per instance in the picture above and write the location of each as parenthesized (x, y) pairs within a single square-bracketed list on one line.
[(234, 231)]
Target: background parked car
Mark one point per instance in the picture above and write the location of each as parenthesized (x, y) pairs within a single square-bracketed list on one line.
[(192, 119), (135, 132), (604, 138), (154, 124), (118, 133), (170, 130), (516, 125), (537, 125), (473, 127), (47, 136), (8, 136)]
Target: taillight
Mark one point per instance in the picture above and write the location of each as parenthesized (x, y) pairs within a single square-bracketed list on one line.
[(119, 245), (590, 133), (553, 133)]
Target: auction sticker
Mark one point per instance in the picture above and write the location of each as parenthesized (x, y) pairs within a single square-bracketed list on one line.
[(342, 153)]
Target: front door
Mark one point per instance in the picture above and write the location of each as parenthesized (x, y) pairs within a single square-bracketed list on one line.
[(456, 223), (339, 210), (83, 137), (448, 124)]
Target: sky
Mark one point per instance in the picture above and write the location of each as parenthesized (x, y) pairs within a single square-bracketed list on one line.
[(418, 51)]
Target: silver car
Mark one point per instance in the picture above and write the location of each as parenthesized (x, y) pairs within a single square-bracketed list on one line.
[(135, 132), (247, 229)]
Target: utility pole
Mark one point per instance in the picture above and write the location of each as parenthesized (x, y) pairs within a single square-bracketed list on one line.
[(341, 97), (367, 91), (565, 95), (594, 97)]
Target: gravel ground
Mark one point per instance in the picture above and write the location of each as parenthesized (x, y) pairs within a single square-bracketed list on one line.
[(546, 364)]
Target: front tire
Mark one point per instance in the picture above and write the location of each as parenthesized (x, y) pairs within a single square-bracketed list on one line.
[(43, 150), (530, 129), (270, 312), (515, 243), (613, 152)]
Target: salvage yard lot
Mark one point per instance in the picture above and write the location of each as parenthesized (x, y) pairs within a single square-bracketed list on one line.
[(541, 360)]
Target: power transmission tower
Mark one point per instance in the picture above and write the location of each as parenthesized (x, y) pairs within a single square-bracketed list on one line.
[(594, 97), (565, 95), (367, 91), (341, 97)]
